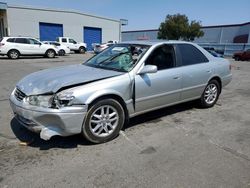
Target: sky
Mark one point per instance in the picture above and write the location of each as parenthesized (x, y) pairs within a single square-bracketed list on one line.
[(148, 14)]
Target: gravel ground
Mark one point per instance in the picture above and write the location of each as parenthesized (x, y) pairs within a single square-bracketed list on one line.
[(179, 146)]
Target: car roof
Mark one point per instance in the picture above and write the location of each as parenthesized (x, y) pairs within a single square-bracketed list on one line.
[(156, 42), (19, 37)]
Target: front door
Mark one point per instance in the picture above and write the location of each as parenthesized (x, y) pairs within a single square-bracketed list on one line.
[(161, 88)]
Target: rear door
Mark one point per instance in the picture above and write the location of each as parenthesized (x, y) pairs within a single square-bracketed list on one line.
[(161, 88), (196, 71), (22, 45)]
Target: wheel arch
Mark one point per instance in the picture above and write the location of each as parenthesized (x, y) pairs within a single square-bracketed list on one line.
[(14, 49), (218, 79), (114, 96), (50, 49)]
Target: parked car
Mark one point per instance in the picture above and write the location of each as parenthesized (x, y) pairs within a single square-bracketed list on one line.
[(215, 54), (241, 56), (77, 47), (14, 47), (98, 97), (100, 47), (62, 49)]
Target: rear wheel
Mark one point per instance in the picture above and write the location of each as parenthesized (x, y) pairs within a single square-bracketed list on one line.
[(210, 94), (103, 121), (13, 54), (50, 53)]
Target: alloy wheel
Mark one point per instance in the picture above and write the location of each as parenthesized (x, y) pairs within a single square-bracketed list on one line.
[(211, 93), (104, 121)]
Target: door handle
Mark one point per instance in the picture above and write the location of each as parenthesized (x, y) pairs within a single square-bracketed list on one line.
[(208, 71)]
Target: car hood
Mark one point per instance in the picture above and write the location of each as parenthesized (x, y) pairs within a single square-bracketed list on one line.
[(52, 80)]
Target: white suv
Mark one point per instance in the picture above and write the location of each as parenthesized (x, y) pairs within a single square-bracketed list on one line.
[(14, 47)]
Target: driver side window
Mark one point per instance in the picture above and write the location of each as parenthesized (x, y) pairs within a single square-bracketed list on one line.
[(72, 41), (163, 57)]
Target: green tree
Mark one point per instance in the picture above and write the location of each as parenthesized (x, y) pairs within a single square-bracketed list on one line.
[(177, 27)]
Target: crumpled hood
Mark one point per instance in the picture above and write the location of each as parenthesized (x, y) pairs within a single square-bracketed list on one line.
[(51, 80)]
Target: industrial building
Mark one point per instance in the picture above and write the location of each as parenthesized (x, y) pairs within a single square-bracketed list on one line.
[(226, 39), (48, 24), (237, 33)]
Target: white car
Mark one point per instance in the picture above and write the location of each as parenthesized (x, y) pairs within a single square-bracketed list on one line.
[(62, 49), (14, 47), (100, 47), (77, 47)]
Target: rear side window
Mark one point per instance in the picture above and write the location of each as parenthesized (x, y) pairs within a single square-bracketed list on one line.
[(64, 40), (190, 55), (21, 41), (11, 40)]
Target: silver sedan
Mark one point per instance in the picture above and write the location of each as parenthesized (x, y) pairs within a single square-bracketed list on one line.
[(98, 97)]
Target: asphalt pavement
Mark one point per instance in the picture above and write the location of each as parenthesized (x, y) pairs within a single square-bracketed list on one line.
[(179, 146)]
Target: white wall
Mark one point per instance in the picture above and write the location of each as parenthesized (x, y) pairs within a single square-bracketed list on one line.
[(25, 22)]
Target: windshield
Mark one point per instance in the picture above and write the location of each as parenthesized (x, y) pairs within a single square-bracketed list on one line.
[(119, 57)]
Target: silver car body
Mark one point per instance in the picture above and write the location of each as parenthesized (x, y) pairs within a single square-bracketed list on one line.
[(138, 93)]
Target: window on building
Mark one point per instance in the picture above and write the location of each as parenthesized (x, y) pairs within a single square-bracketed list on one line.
[(190, 55), (163, 57)]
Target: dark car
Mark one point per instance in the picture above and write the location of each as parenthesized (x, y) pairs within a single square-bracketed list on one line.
[(241, 56)]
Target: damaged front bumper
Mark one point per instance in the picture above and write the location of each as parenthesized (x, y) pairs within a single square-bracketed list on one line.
[(47, 121)]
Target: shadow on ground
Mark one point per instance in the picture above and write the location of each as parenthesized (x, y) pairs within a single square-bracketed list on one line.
[(26, 57), (34, 140)]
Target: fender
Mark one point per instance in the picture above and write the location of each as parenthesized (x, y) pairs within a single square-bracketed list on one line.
[(101, 93)]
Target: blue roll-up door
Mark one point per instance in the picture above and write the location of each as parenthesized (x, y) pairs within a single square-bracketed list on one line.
[(49, 32), (92, 35)]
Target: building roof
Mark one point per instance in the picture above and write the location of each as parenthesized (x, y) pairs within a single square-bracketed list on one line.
[(59, 10), (203, 27)]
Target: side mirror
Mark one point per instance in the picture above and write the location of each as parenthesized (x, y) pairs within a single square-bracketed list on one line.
[(148, 69)]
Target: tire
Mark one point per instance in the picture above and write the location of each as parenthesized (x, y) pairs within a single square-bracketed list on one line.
[(61, 53), (82, 50), (210, 94), (50, 54), (237, 58), (98, 127), (13, 54)]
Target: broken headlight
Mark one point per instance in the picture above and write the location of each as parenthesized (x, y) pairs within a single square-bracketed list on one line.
[(40, 100), (63, 99)]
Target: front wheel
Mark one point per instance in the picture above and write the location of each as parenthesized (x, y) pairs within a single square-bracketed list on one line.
[(61, 52), (237, 58), (210, 94), (103, 121), (82, 50), (50, 53)]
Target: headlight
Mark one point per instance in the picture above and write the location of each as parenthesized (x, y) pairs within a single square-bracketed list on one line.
[(40, 100), (64, 99)]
